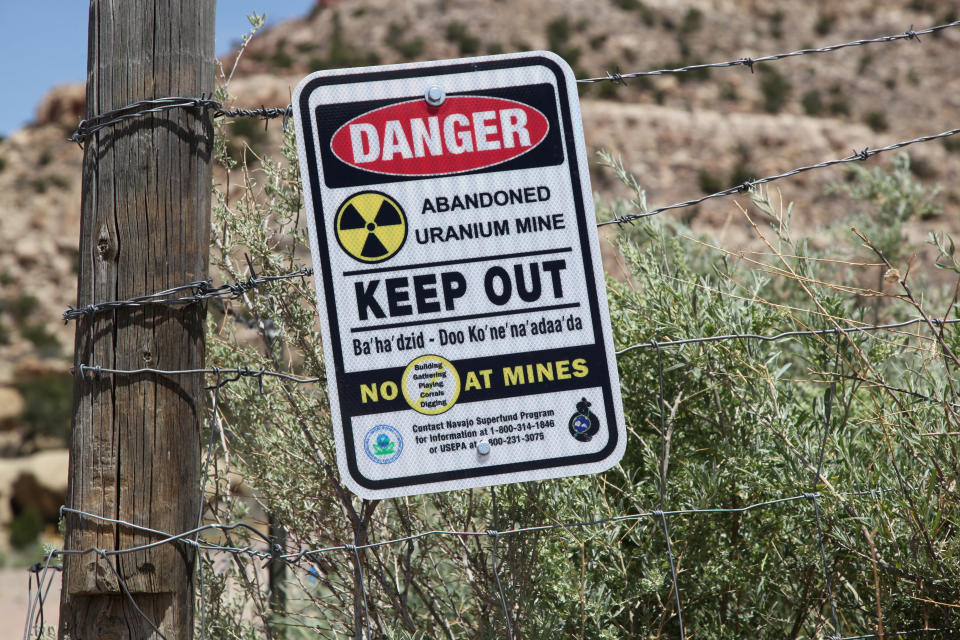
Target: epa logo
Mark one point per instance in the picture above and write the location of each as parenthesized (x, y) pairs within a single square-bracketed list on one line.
[(383, 444)]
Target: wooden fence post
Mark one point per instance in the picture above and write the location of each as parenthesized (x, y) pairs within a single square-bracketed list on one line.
[(135, 451)]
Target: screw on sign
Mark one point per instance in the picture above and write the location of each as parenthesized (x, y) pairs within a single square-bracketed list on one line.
[(465, 326)]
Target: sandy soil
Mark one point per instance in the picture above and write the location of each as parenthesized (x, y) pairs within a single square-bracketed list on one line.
[(14, 602)]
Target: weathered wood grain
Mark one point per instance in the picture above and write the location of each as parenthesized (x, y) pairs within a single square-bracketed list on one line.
[(134, 453)]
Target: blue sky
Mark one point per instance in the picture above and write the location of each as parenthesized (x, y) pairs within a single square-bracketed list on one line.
[(45, 43)]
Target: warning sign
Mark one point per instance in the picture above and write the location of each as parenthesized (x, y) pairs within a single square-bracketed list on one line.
[(461, 296)]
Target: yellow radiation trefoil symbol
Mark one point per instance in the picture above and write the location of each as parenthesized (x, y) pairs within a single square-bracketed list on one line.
[(371, 226)]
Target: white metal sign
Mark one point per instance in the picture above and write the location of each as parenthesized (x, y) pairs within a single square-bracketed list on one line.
[(461, 294)]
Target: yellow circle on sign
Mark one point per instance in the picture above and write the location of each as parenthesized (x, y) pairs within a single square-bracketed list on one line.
[(430, 384), (370, 226)]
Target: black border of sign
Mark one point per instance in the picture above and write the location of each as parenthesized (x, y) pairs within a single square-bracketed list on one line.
[(575, 178)]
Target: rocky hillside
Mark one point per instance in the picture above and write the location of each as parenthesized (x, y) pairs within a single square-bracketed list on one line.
[(681, 135), (694, 133)]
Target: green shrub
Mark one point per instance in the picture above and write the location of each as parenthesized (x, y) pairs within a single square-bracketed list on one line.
[(408, 48), (280, 58), (343, 54), (775, 88), (824, 24), (25, 528), (923, 168), (249, 128), (876, 120), (48, 405), (951, 144), (839, 106), (812, 104), (776, 23), (58, 181), (607, 91), (459, 34), (38, 184), (729, 91), (692, 21), (740, 174), (647, 15), (893, 197), (747, 422), (559, 33), (22, 306), (45, 343), (709, 183)]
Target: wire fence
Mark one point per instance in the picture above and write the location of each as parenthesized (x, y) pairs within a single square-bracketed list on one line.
[(909, 34), (87, 128), (269, 551), (200, 289), (856, 156), (42, 575)]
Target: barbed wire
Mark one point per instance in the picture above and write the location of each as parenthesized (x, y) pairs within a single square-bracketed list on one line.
[(185, 537), (856, 156), (259, 373), (272, 551), (237, 289), (895, 389), (653, 344), (201, 290), (887, 634), (88, 127), (909, 34), (236, 373)]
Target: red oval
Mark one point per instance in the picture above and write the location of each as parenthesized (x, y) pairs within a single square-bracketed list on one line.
[(463, 134)]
